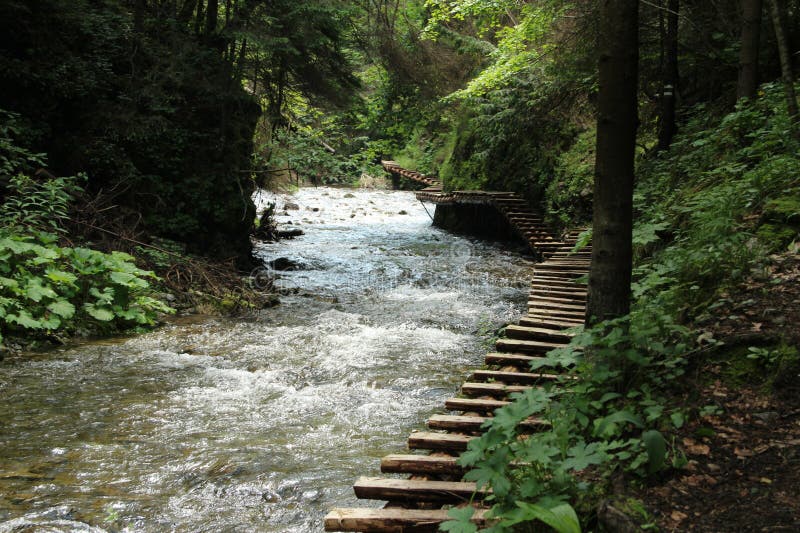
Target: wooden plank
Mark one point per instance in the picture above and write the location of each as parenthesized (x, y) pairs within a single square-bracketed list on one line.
[(504, 377), (511, 359), (477, 405), (538, 333), (497, 390), (456, 422), (546, 303), (421, 464), (424, 440), (534, 319), (569, 300), (560, 313), (475, 423), (393, 490), (394, 520), (517, 345)]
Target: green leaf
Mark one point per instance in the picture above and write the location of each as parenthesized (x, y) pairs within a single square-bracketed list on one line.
[(35, 290), (62, 308), (678, 419), (24, 319), (561, 517), (608, 426), (128, 280), (656, 447), (582, 455), (461, 521), (104, 314), (59, 276)]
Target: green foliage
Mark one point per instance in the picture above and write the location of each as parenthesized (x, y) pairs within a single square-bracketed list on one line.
[(724, 196), (46, 288)]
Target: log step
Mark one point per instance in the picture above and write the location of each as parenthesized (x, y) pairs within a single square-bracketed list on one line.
[(538, 333), (424, 440), (477, 405), (511, 359), (497, 390), (545, 303), (517, 345), (421, 464), (521, 378), (394, 520), (549, 322), (412, 490)]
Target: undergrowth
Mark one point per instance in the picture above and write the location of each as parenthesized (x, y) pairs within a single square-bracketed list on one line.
[(47, 289)]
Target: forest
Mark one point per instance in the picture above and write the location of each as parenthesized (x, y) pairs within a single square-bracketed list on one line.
[(137, 135)]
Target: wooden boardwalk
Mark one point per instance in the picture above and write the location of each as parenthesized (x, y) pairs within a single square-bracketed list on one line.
[(521, 217), (434, 481)]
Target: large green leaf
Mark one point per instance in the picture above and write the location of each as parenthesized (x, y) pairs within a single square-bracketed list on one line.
[(104, 314), (62, 308), (656, 447), (460, 522), (560, 516), (24, 319), (36, 290)]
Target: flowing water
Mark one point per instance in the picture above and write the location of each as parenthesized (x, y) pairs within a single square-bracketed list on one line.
[(259, 424)]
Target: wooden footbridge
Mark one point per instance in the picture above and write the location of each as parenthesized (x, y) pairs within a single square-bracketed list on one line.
[(521, 217), (434, 481)]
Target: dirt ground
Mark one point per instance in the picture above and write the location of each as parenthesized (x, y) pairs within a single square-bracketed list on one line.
[(743, 451)]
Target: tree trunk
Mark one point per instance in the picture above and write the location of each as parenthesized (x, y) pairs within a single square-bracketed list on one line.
[(669, 91), (212, 13), (748, 53), (617, 121), (778, 10), (138, 15)]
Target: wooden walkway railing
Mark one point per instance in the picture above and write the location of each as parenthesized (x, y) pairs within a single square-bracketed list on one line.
[(435, 483)]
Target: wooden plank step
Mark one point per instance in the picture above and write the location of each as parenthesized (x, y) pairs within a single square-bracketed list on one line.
[(518, 359), (422, 464), (561, 296), (548, 323), (547, 303), (518, 345), (496, 390), (424, 440), (559, 273), (473, 404), (571, 288), (567, 300), (456, 422), (504, 377), (574, 314), (537, 333), (557, 282), (553, 322), (475, 423), (413, 490), (394, 520)]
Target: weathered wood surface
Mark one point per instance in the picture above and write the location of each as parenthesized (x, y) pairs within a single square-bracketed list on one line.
[(393, 520), (413, 490), (421, 464)]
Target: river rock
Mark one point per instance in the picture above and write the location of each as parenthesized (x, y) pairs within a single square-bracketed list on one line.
[(289, 233), (349, 195), (290, 206), (284, 263)]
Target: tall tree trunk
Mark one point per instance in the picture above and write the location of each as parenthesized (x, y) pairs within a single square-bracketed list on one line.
[(669, 91), (617, 121), (212, 14), (778, 10), (139, 9), (199, 17), (748, 53)]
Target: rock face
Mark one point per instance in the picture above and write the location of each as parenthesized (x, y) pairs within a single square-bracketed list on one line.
[(290, 206)]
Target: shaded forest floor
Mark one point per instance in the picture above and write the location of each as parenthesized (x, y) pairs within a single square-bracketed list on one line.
[(743, 451)]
